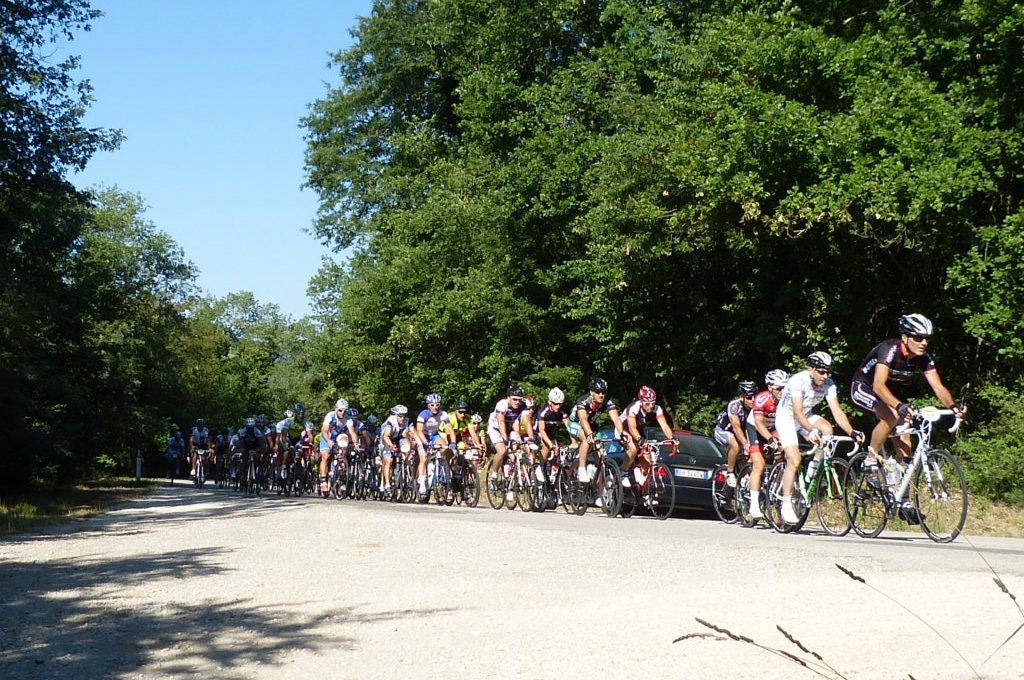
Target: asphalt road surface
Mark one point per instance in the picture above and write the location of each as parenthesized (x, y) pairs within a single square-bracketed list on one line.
[(183, 583)]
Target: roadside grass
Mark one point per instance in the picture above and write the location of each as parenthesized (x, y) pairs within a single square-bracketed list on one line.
[(992, 518), (31, 509)]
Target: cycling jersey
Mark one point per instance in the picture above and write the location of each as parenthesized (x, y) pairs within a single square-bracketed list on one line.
[(510, 414), (551, 418), (765, 406), (643, 418), (736, 408), (293, 428), (811, 394), (431, 422), (335, 425), (593, 408), (175, 447), (459, 428), (252, 439), (200, 438), (901, 367)]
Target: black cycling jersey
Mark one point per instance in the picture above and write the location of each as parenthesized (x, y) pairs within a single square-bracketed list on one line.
[(551, 418), (901, 368), (593, 409)]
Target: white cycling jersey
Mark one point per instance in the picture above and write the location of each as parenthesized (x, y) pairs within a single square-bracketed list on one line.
[(811, 394)]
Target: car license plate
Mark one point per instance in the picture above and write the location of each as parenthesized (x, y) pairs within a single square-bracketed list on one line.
[(692, 474)]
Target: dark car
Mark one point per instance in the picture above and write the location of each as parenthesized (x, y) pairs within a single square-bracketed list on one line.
[(691, 466)]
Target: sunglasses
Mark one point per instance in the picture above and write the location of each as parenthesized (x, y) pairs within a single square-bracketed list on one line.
[(919, 338), (463, 412), (822, 371), (598, 391)]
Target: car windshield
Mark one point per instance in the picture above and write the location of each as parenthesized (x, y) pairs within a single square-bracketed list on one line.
[(698, 446)]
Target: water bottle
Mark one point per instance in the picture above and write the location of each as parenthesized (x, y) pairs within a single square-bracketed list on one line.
[(892, 472), (430, 470), (812, 468), (591, 470), (639, 475)]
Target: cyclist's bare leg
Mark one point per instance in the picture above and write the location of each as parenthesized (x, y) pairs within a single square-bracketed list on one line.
[(887, 420), (498, 458), (794, 458), (583, 451), (732, 454), (629, 455)]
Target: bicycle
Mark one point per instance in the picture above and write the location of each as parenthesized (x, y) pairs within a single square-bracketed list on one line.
[(199, 478), (439, 476), (651, 487), (934, 481), (604, 487), (511, 487), (465, 478), (824, 489)]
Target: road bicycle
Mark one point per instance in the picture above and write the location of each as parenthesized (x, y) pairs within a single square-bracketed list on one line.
[(931, 490), (819, 483), (651, 487), (512, 487), (439, 476), (465, 477), (603, 488), (202, 458)]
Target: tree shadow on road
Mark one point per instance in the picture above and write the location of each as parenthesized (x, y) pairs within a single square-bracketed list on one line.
[(80, 618)]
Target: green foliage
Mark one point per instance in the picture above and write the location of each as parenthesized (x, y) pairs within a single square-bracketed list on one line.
[(991, 454)]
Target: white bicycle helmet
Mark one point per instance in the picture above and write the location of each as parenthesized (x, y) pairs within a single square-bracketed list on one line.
[(556, 396), (434, 398), (776, 378), (916, 324), (341, 404), (820, 360), (399, 410)]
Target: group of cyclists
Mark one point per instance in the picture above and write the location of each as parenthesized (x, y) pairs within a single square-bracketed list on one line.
[(777, 418)]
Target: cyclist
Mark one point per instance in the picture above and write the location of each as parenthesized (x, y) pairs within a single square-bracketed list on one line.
[(581, 421), (879, 383), (332, 433), (730, 430), (503, 425), (289, 433), (793, 417), (428, 426), (175, 450), (391, 435), (549, 419), (761, 432), (253, 443), (221, 451), (637, 417), (460, 427), (200, 440), (371, 432)]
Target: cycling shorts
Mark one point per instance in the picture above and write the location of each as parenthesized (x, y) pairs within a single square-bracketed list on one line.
[(757, 442), (724, 437), (575, 430), (789, 429), (495, 436)]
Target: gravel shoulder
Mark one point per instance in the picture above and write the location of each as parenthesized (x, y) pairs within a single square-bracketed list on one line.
[(183, 583)]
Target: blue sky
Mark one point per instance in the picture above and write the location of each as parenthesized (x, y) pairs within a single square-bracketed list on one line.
[(209, 95)]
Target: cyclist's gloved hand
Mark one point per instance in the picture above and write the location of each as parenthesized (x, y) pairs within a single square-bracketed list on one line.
[(452, 446), (623, 438), (590, 438), (814, 436), (960, 409), (905, 410), (857, 436)]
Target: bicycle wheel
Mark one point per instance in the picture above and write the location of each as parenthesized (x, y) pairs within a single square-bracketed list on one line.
[(864, 498), (772, 488), (442, 481), (524, 490), (661, 492), (723, 497), (537, 489), (470, 486), (829, 500), (611, 488), (496, 489), (939, 492)]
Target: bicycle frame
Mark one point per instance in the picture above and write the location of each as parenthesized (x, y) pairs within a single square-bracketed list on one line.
[(921, 428)]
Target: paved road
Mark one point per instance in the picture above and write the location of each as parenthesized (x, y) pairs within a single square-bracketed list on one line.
[(184, 583)]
